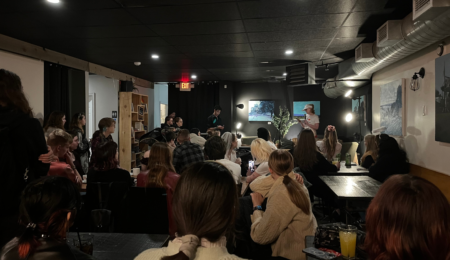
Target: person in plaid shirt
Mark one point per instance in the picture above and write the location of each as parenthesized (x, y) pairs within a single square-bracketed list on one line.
[(186, 153)]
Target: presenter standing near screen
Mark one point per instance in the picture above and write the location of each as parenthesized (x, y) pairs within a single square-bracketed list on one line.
[(312, 120), (214, 120)]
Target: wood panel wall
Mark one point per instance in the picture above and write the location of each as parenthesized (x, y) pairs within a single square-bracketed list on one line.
[(442, 181)]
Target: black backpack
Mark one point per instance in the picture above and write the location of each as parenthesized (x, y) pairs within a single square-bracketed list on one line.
[(13, 173)]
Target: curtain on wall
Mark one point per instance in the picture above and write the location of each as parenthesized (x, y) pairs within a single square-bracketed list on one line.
[(196, 105), (56, 90)]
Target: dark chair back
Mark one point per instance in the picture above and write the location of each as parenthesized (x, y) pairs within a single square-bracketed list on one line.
[(144, 211), (105, 195)]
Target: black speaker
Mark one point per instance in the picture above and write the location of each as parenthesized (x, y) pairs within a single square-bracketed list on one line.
[(126, 86)]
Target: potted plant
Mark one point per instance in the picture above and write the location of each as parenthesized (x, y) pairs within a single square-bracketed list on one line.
[(282, 123)]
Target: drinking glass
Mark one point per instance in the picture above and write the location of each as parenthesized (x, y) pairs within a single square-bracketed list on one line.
[(87, 243), (347, 235), (335, 161)]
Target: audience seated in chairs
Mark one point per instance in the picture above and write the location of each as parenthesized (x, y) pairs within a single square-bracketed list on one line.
[(371, 154), (391, 160), (196, 138), (48, 208), (55, 120), (329, 146), (186, 153), (288, 205), (106, 126), (261, 151), (409, 218), (215, 149), (265, 134), (204, 207), (106, 167), (60, 141), (231, 145), (161, 174)]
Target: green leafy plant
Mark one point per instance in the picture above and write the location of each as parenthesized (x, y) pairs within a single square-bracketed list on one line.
[(283, 122)]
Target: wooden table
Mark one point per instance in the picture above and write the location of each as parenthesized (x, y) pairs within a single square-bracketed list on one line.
[(121, 246), (354, 170)]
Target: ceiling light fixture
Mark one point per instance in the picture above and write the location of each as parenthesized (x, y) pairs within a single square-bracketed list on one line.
[(194, 76), (349, 117), (264, 62), (53, 1), (154, 56), (348, 93), (289, 52), (285, 74)]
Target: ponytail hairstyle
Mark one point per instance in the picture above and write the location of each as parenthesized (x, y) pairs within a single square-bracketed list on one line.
[(330, 140), (282, 163), (75, 122), (44, 207), (55, 120), (11, 92), (204, 205), (159, 163)]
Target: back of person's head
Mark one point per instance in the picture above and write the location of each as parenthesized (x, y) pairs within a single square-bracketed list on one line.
[(263, 133), (371, 145), (409, 218), (183, 136), (195, 131), (305, 152), (105, 156), (59, 138), (330, 140), (75, 121), (217, 107), (159, 163), (390, 147), (282, 163), (55, 119), (215, 148), (260, 150), (44, 209), (170, 136), (204, 205), (11, 92), (228, 138), (167, 119), (105, 123)]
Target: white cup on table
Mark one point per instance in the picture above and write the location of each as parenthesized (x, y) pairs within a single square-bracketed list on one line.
[(136, 171)]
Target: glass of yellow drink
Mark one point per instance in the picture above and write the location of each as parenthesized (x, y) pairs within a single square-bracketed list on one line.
[(347, 235), (335, 161)]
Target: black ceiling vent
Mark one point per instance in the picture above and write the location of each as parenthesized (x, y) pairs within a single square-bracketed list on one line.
[(301, 75)]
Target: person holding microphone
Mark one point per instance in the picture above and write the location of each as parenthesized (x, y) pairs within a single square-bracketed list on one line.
[(312, 120)]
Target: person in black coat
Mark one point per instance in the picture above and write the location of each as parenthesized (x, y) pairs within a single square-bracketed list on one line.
[(24, 155), (391, 160)]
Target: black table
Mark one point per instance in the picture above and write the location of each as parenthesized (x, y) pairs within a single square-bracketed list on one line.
[(354, 170), (111, 246)]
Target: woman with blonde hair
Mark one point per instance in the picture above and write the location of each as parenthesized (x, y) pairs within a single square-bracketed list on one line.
[(371, 154), (329, 146), (261, 151), (288, 206), (161, 174)]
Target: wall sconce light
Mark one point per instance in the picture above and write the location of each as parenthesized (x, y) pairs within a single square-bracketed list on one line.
[(237, 127), (241, 106), (415, 81)]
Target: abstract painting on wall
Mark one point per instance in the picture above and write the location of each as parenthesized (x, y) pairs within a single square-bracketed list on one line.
[(359, 108), (392, 112), (442, 99)]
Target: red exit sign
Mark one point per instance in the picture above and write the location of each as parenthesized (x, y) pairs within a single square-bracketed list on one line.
[(185, 86)]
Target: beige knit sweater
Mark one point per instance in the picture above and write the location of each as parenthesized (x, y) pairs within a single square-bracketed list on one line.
[(283, 224), (207, 251)]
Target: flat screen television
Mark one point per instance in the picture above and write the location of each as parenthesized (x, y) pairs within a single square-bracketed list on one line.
[(260, 110), (300, 105)]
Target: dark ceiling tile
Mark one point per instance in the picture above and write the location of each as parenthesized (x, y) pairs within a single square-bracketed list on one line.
[(105, 17), (187, 13), (16, 20), (296, 46), (343, 47), (64, 5), (294, 23), (348, 32), (281, 8), (29, 34), (128, 42), (241, 54), (207, 39), (370, 5), (199, 28), (214, 48), (358, 18), (153, 3), (306, 34), (111, 31)]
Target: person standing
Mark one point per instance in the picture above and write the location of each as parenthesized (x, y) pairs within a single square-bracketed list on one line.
[(312, 120), (106, 127), (56, 120), (214, 120), (81, 153), (22, 144)]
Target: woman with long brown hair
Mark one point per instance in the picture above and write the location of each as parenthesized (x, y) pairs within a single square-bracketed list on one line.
[(82, 151), (56, 120), (161, 174), (204, 209), (288, 206), (371, 154), (409, 219), (22, 144), (329, 146)]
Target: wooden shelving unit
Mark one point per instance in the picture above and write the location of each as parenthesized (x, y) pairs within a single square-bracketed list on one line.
[(128, 115)]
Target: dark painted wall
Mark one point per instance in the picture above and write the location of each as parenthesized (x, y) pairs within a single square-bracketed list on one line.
[(226, 101)]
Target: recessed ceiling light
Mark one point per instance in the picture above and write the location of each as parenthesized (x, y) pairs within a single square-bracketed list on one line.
[(53, 1), (285, 74), (194, 76), (154, 56), (288, 52), (264, 62)]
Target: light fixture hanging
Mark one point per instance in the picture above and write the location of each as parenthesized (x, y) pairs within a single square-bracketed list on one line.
[(415, 81)]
